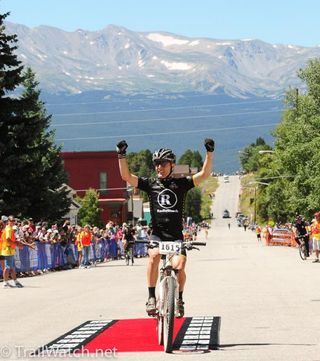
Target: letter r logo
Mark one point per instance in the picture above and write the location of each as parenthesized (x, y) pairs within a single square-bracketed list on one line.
[(167, 198)]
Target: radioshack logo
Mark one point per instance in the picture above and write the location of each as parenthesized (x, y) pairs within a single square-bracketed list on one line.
[(167, 199)]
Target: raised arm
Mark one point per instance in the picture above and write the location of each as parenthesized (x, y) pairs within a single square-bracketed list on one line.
[(207, 165), (125, 173)]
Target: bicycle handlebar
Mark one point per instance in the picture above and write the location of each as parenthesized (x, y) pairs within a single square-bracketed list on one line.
[(197, 243), (191, 243)]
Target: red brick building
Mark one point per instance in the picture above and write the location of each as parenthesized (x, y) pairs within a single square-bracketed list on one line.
[(100, 171)]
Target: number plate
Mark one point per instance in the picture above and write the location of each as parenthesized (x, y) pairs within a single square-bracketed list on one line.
[(170, 247)]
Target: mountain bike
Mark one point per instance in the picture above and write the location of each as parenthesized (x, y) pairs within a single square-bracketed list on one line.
[(302, 247), (128, 255), (168, 288)]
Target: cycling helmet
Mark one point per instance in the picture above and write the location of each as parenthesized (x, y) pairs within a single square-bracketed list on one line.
[(164, 154)]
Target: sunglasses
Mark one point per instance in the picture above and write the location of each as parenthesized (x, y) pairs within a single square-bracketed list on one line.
[(162, 162)]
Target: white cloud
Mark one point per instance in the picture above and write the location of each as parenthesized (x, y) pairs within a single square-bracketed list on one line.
[(194, 43)]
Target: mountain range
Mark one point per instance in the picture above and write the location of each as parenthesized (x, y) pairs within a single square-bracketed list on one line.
[(117, 59)]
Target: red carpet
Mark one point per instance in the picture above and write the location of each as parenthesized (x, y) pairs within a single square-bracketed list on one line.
[(133, 335)]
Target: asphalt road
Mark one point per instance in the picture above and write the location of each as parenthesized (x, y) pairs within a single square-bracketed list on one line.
[(267, 298)]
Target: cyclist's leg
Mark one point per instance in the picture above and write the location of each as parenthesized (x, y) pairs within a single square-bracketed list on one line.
[(152, 277), (179, 263), (153, 266), (306, 242)]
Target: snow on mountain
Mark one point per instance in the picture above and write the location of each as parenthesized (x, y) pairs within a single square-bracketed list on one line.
[(115, 58)]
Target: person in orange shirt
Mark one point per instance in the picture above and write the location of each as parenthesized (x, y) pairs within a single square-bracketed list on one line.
[(85, 239), (2, 227), (8, 250), (315, 231), (79, 244), (258, 233)]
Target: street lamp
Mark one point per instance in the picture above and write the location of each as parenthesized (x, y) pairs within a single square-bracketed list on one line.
[(255, 196)]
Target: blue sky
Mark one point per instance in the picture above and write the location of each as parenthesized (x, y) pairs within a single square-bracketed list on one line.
[(273, 21)]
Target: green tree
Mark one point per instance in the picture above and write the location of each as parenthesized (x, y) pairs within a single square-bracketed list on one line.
[(193, 204), (140, 163), (192, 158), (295, 164), (250, 158), (90, 212), (31, 172), (10, 79)]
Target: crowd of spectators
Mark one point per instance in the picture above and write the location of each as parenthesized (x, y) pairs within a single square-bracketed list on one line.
[(38, 248)]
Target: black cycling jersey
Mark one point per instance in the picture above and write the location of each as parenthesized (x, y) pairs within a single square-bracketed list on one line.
[(167, 198), (129, 235), (301, 228)]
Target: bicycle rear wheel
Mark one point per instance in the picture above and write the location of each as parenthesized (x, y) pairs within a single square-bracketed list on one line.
[(127, 257), (168, 317), (302, 252)]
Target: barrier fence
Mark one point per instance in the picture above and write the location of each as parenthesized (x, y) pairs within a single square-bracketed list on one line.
[(279, 237), (57, 256)]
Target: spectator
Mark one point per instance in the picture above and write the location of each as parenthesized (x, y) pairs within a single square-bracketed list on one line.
[(315, 230), (85, 238), (258, 233), (2, 227), (9, 244), (79, 246)]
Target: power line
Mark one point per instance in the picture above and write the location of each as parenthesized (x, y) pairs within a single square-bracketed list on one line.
[(161, 109), (128, 100), (166, 119), (166, 133)]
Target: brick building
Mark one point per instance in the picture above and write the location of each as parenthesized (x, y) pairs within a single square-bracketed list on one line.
[(99, 170)]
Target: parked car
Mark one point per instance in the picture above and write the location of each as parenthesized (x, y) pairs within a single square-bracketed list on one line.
[(226, 214)]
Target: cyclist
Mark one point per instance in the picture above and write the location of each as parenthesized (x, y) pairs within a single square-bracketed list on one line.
[(301, 233), (129, 237), (167, 197)]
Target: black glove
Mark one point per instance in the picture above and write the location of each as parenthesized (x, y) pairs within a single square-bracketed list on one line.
[(122, 148), (209, 144)]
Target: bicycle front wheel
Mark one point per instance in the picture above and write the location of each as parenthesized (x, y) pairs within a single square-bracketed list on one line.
[(160, 329), (168, 317), (302, 252)]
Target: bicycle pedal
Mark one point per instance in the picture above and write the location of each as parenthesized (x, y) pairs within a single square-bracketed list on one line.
[(152, 314)]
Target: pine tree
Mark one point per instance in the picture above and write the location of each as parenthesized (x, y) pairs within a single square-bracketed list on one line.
[(31, 172), (10, 79)]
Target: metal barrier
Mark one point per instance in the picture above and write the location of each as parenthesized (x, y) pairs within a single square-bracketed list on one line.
[(47, 256)]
